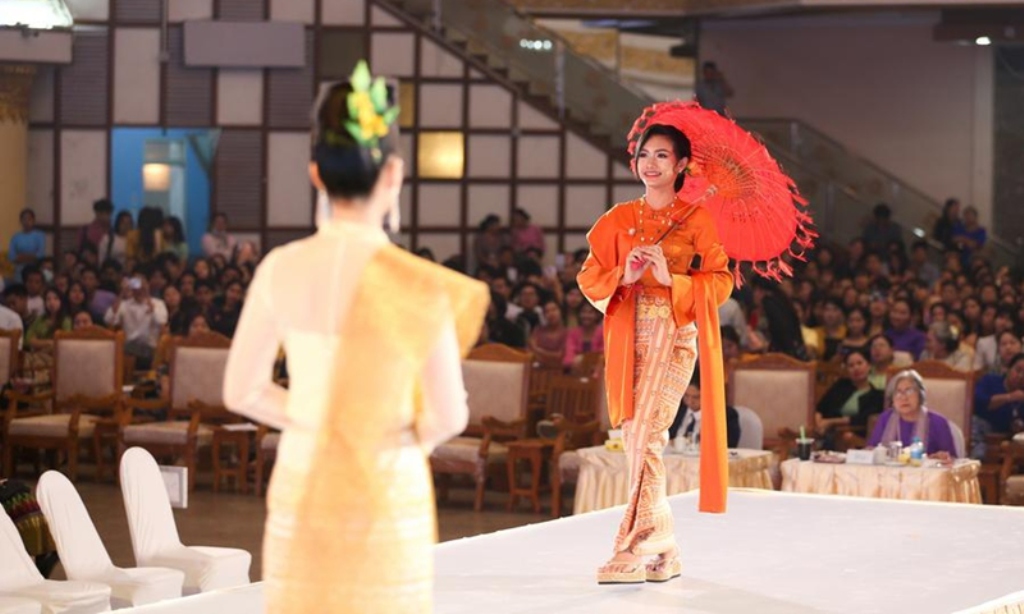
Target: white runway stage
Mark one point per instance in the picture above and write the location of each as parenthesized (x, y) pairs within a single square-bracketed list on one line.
[(773, 553)]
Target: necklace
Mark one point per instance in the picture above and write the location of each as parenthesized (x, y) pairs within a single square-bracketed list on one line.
[(660, 218)]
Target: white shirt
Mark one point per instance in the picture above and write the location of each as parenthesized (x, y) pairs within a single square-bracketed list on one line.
[(36, 307), (730, 313), (139, 322), (10, 320), (986, 355), (692, 418), (289, 303)]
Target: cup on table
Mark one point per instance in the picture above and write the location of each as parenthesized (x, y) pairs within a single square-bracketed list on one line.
[(804, 447)]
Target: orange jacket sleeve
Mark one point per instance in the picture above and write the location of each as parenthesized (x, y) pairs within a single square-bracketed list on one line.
[(599, 277), (714, 269)]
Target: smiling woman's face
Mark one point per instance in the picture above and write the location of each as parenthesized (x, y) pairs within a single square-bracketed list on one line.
[(657, 164)]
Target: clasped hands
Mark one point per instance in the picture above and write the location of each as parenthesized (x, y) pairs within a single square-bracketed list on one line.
[(647, 257)]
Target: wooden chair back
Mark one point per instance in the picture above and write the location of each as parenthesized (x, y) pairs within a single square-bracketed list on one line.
[(778, 388), (88, 362), (197, 370), (829, 372), (497, 380), (574, 398)]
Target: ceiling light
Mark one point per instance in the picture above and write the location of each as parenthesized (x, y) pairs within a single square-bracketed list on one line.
[(35, 14), (983, 41)]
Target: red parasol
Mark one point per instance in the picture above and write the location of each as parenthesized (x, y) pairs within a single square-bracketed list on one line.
[(757, 208)]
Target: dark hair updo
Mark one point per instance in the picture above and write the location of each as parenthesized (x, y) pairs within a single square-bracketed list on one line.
[(347, 169), (680, 145)]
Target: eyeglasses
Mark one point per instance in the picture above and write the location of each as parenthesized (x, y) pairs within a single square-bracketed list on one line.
[(904, 392)]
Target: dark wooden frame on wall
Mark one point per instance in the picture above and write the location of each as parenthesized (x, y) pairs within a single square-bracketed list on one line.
[(411, 227), (560, 182)]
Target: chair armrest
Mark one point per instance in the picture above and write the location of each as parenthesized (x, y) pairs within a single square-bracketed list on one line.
[(493, 426), (497, 428), (130, 404), (19, 397)]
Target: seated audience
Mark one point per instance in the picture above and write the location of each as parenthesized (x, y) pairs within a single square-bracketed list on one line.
[(218, 240), (833, 329), (687, 421), (850, 401), (547, 341), (904, 335), (909, 418), (999, 402), (986, 352), (942, 343), (524, 234), (884, 357), (141, 316), (39, 334), (856, 331), (499, 329), (227, 309), (585, 338)]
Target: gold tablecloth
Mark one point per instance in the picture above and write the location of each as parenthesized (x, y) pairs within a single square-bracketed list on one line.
[(604, 478), (956, 484)]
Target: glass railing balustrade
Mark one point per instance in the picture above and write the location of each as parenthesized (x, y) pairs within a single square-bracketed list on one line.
[(862, 180)]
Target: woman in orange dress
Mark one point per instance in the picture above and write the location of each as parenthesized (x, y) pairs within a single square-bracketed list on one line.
[(655, 296), (373, 337)]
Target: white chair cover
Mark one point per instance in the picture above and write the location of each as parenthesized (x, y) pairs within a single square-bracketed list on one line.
[(958, 439), (85, 558), (154, 534), (751, 429), (15, 605), (20, 579)]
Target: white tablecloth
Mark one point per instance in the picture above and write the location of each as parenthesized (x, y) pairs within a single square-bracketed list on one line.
[(604, 476), (956, 484)]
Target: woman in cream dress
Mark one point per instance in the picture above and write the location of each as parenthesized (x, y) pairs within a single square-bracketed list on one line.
[(374, 338)]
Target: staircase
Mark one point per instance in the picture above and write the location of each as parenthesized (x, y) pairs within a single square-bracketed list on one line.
[(842, 186), (595, 104)]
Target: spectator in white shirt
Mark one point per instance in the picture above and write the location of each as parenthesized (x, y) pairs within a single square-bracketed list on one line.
[(218, 240), (34, 285), (9, 320), (142, 318), (16, 300)]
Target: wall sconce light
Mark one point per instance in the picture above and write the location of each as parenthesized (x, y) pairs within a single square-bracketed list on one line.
[(156, 177), (441, 155)]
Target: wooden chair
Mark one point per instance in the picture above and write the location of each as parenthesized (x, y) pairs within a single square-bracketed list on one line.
[(267, 441), (1011, 476), (829, 372), (780, 390), (87, 382), (541, 375), (574, 405), (497, 379), (591, 364), (195, 405)]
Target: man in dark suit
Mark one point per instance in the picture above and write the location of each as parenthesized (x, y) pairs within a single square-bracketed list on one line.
[(687, 422)]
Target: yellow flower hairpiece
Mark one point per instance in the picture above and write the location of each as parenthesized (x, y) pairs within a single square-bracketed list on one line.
[(369, 117)]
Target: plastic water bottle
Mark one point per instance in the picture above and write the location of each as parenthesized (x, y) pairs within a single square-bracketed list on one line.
[(916, 451)]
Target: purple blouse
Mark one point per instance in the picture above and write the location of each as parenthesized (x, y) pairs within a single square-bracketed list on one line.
[(940, 434)]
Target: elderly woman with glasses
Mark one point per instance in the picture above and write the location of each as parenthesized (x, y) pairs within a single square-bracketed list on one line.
[(908, 418)]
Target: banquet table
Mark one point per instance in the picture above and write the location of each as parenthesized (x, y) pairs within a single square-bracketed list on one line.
[(953, 484), (604, 477)]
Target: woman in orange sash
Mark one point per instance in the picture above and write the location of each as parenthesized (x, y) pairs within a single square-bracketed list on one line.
[(656, 291)]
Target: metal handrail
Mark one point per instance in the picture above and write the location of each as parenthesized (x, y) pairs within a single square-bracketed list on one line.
[(1007, 246)]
